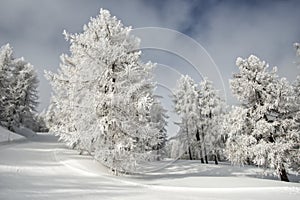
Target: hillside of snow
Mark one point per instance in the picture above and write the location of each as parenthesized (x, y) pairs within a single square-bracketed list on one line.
[(42, 168)]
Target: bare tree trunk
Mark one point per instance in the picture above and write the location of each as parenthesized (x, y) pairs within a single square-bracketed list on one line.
[(190, 153), (188, 140), (282, 174), (201, 156), (216, 159), (205, 156), (200, 147), (203, 150)]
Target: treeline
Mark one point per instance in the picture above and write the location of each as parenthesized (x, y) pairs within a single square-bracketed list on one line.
[(263, 130)]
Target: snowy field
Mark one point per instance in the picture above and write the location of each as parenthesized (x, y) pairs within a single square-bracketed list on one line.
[(42, 168)]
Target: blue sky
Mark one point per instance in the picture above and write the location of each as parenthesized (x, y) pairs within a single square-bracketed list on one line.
[(225, 29)]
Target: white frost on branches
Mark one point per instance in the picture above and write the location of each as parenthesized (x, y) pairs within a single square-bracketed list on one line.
[(261, 129), (200, 109), (18, 90), (103, 99)]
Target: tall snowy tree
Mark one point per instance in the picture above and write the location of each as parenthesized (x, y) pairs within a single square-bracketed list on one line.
[(27, 97), (19, 90), (260, 129), (200, 109), (186, 106), (296, 110), (5, 75), (103, 95), (211, 109)]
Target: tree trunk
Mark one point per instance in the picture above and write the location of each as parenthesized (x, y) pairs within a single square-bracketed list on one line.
[(202, 160), (189, 148), (282, 174), (201, 155), (200, 150), (248, 161), (190, 153), (205, 156), (203, 150), (216, 159)]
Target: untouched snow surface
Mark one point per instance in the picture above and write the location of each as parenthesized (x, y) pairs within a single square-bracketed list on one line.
[(42, 168)]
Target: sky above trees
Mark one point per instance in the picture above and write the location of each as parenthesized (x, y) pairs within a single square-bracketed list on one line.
[(226, 29)]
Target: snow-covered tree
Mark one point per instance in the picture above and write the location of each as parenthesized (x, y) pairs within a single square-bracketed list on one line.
[(159, 120), (62, 113), (259, 130), (211, 110), (6, 58), (18, 90), (103, 96), (27, 97), (200, 109), (296, 111), (187, 107)]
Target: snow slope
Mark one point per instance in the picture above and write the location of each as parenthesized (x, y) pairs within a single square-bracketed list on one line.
[(8, 136), (42, 168), (26, 132)]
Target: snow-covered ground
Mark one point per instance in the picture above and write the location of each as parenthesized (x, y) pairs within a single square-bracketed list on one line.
[(26, 132), (7, 136), (42, 168)]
